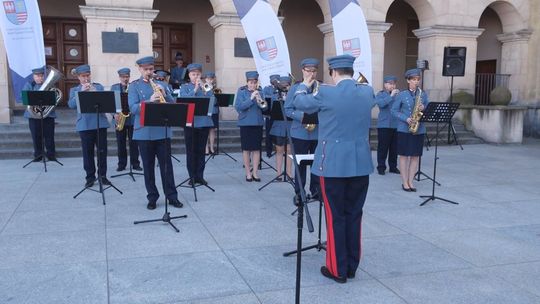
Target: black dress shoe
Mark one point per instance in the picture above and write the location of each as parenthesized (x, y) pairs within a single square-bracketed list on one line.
[(176, 203), (120, 168), (351, 274), (151, 205), (89, 183), (201, 181), (256, 179), (405, 189), (249, 179), (395, 170), (137, 168), (413, 189), (52, 158), (105, 181), (325, 272), (380, 171)]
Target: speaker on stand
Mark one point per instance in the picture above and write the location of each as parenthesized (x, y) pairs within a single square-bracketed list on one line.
[(454, 65)]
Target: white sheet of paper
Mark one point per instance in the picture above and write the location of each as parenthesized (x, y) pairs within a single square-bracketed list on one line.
[(301, 157)]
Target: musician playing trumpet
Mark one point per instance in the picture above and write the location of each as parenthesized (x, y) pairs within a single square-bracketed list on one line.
[(210, 81), (386, 127), (126, 133), (250, 121), (410, 144), (87, 127)]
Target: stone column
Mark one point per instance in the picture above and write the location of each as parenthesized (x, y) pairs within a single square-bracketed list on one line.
[(329, 48), (376, 34), (515, 54), (5, 111), (433, 39), (107, 16), (230, 70)]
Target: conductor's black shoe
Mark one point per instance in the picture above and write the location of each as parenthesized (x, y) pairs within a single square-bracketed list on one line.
[(395, 170), (105, 181), (176, 203), (38, 159), (137, 167), (89, 182), (151, 205), (325, 272), (120, 168), (380, 171), (351, 274)]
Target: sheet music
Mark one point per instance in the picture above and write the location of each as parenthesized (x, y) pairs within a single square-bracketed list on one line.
[(303, 157)]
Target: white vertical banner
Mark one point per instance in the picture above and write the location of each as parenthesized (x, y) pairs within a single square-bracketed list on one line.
[(20, 22), (351, 35), (266, 38)]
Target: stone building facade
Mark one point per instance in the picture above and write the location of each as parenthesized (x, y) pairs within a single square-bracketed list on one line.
[(502, 36)]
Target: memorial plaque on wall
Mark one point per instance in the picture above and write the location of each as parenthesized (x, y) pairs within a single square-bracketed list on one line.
[(120, 42), (241, 48)]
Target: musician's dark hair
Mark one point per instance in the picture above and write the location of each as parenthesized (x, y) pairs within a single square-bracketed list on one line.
[(343, 71)]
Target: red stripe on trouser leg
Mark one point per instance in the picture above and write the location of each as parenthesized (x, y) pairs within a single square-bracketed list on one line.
[(331, 262)]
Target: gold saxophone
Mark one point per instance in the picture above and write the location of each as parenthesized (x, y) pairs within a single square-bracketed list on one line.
[(311, 127), (157, 90), (122, 116), (416, 114)]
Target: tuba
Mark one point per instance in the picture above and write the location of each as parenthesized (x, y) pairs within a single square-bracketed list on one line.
[(53, 77), (416, 114)]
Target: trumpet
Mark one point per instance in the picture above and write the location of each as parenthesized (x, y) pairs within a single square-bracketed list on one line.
[(263, 105), (207, 87)]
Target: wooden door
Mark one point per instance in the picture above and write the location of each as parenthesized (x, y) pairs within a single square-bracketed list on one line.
[(65, 49), (169, 38)]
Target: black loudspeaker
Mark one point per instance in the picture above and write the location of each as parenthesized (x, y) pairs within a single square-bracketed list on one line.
[(454, 61)]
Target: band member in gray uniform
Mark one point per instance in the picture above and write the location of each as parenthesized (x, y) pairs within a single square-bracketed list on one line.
[(342, 160), (87, 126), (178, 73), (269, 91), (304, 139), (154, 142), (38, 75), (386, 127), (126, 134), (279, 131), (409, 145), (250, 121)]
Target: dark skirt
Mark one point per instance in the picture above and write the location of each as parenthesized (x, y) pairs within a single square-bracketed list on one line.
[(409, 144), (279, 140), (215, 119), (251, 138)]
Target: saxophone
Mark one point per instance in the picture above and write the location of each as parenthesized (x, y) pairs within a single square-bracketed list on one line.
[(311, 127), (122, 116), (416, 114), (157, 90)]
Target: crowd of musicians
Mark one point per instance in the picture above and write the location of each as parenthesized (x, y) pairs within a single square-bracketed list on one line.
[(340, 141)]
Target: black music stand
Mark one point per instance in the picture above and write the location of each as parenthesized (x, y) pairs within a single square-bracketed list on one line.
[(277, 113), (438, 112), (165, 115), (222, 100), (40, 99), (89, 102), (125, 109), (203, 107), (307, 159)]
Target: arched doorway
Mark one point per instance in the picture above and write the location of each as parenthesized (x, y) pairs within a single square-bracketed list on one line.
[(488, 64), (304, 38), (401, 45)]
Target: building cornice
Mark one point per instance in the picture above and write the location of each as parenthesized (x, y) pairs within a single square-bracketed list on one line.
[(218, 20), (373, 27), (448, 31), (116, 13), (517, 36)]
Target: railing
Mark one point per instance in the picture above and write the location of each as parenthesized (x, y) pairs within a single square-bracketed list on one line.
[(485, 83)]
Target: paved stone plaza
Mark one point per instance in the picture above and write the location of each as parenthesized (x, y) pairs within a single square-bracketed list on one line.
[(56, 249)]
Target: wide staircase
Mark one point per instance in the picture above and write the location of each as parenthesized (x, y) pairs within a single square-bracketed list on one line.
[(16, 142)]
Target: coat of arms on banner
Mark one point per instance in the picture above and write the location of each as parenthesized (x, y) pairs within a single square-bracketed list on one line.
[(351, 47), (15, 11), (267, 48)]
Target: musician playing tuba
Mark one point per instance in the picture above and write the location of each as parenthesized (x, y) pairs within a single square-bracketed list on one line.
[(124, 127), (304, 139), (87, 126), (409, 146), (34, 121)]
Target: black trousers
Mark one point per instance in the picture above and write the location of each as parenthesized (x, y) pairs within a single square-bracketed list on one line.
[(195, 140), (267, 137), (89, 140), (387, 147), (302, 146), (48, 135), (343, 203), (121, 138), (150, 149)]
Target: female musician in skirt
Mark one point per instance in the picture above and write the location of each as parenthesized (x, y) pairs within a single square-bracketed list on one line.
[(250, 121), (409, 144)]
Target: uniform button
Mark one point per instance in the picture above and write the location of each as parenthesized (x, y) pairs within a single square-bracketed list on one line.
[(322, 155), (320, 168), (337, 140)]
